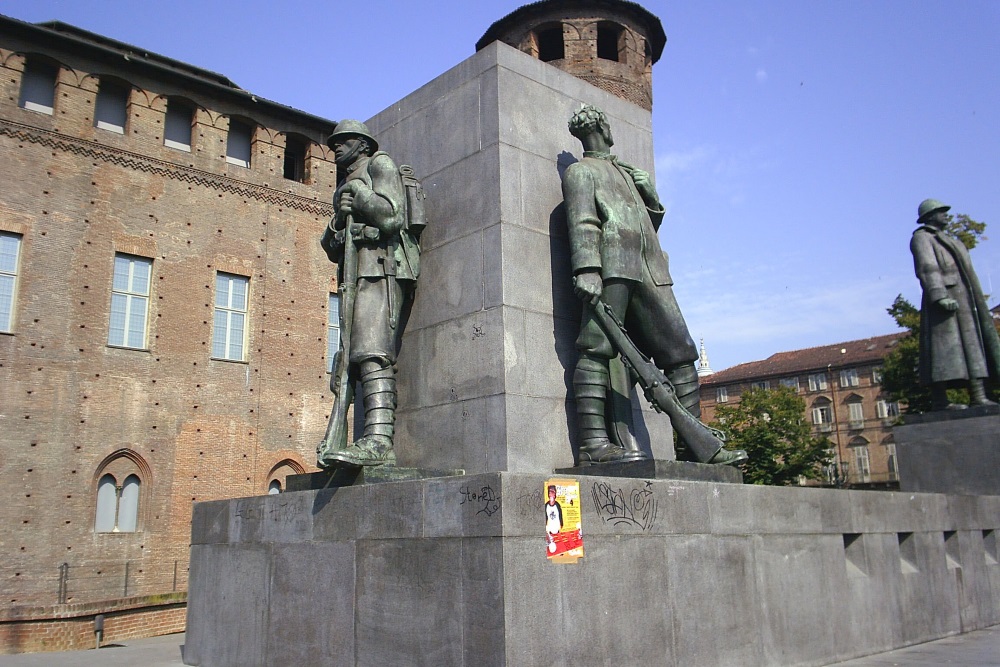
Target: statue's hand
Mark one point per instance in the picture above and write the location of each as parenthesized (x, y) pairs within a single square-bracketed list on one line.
[(588, 285), (948, 304), (644, 186), (346, 204)]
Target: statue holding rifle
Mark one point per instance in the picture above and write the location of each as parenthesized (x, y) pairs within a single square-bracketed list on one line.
[(621, 274), (374, 239)]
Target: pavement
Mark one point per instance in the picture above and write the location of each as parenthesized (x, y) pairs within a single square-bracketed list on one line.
[(974, 649)]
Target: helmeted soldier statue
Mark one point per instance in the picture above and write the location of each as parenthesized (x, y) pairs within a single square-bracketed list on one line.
[(958, 343), (613, 213), (378, 268)]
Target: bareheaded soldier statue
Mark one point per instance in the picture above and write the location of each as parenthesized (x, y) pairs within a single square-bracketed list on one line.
[(613, 213)]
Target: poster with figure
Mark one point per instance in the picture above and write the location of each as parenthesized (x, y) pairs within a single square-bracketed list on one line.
[(563, 525)]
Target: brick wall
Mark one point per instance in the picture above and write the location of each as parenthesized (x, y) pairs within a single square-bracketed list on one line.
[(192, 428), (71, 627)]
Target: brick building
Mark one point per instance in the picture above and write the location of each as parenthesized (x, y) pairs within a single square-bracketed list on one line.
[(840, 384), (164, 321)]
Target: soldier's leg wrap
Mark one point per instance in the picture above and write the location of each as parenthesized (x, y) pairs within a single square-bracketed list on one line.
[(977, 392), (378, 388), (591, 382)]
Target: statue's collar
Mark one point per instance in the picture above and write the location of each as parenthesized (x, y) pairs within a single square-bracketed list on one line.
[(357, 164), (600, 155)]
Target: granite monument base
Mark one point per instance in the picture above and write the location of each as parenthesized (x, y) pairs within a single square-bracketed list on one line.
[(951, 451), (453, 571)]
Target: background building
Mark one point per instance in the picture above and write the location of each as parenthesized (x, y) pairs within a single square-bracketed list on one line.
[(165, 321), (840, 384)]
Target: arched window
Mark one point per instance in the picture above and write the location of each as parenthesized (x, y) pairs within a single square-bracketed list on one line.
[(279, 471), (177, 124), (117, 506), (274, 487)]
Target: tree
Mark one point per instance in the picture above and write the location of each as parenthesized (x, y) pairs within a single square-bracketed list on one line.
[(899, 369), (770, 425)]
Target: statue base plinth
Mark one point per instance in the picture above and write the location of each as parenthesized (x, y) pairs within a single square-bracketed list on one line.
[(346, 476), (950, 451), (660, 469)]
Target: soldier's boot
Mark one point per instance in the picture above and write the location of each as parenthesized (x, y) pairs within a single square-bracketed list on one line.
[(591, 382), (378, 390), (977, 392), (686, 385)]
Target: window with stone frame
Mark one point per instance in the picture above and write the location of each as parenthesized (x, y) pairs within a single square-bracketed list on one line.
[(239, 142), (817, 382), (10, 253), (230, 318), (129, 301), (849, 377)]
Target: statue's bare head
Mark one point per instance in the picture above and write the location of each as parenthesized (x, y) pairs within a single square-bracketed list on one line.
[(590, 121)]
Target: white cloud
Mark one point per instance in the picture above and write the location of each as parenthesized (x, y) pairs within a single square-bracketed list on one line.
[(761, 75)]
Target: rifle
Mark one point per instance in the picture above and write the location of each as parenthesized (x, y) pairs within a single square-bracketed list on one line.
[(704, 441), (340, 380)]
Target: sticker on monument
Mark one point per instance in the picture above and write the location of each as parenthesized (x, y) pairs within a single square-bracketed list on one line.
[(563, 526)]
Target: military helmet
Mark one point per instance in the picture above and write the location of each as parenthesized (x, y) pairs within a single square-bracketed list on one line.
[(352, 128), (928, 206)]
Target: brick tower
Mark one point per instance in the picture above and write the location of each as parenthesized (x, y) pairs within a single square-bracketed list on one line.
[(611, 44)]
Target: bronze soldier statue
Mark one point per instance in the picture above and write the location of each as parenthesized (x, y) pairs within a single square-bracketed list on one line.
[(377, 253), (958, 343), (613, 212)]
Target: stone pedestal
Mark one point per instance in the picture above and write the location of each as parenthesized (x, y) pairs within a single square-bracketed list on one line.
[(951, 451), (453, 571)]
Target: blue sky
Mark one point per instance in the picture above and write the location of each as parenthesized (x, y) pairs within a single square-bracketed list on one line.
[(793, 139)]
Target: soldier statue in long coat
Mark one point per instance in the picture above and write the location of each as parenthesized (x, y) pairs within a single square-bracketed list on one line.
[(958, 342), (377, 253)]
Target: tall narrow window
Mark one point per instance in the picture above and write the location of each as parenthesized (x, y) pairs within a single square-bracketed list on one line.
[(295, 159), (129, 301), (274, 488), (117, 507), (550, 44), (10, 249), (229, 328), (332, 330), (849, 377), (177, 125), (891, 463), (38, 86), (722, 395), (238, 143), (608, 38), (855, 414), (791, 383), (861, 463), (111, 108)]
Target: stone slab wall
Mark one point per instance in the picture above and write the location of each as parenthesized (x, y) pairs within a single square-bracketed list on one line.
[(950, 452), (453, 571), (487, 359)]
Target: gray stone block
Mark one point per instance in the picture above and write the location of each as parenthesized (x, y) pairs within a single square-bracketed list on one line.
[(404, 616), (955, 452), (483, 611), (538, 433), (311, 618), (210, 522), (469, 434), (660, 469), (469, 506), (539, 354), (462, 198), (228, 605), (246, 519), (451, 282)]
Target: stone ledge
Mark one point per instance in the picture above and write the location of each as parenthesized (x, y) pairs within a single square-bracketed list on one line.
[(660, 469)]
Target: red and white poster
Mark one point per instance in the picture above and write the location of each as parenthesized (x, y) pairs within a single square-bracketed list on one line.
[(563, 526)]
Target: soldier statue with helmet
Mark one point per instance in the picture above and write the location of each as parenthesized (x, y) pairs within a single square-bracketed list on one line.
[(374, 239), (959, 345)]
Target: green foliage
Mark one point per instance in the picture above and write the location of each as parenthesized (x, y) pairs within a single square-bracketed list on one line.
[(966, 230), (770, 425), (899, 369)]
